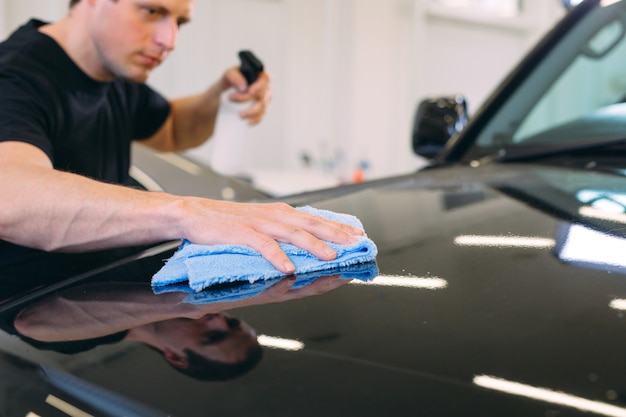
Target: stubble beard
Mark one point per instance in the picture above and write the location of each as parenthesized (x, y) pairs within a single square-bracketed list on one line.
[(126, 69)]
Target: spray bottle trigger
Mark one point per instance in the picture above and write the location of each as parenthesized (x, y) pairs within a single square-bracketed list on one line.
[(251, 67)]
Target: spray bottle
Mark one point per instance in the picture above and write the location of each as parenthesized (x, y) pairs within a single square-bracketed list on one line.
[(229, 137)]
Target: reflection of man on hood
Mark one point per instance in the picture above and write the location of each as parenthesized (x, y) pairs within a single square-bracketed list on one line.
[(199, 343), (200, 340), (213, 347)]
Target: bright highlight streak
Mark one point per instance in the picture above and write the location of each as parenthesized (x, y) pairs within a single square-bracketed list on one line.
[(604, 3), (550, 396), (594, 213), (618, 304), (505, 241), (66, 407), (280, 343), (406, 282)]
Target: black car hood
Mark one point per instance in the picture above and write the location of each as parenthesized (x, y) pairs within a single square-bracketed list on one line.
[(487, 302)]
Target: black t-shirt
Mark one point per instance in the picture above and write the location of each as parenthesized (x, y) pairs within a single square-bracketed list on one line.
[(84, 126)]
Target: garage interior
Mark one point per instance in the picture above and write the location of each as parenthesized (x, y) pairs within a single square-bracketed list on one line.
[(347, 75)]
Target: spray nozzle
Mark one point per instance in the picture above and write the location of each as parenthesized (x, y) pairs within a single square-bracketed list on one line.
[(250, 67)]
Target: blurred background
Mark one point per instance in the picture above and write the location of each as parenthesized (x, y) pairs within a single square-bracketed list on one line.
[(347, 74)]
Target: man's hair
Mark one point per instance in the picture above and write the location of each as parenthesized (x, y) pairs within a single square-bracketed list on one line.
[(204, 369), (73, 3)]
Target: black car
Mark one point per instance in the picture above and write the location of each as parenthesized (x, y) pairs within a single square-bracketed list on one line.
[(499, 288)]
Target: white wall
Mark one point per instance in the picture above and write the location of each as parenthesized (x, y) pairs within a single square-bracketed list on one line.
[(14, 12), (347, 74)]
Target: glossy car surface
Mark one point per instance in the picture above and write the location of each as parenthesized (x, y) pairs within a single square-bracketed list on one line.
[(157, 171), (499, 286)]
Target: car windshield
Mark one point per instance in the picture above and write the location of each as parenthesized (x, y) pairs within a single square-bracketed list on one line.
[(573, 97)]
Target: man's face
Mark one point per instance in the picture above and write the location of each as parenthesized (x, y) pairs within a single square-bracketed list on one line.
[(217, 337), (132, 37)]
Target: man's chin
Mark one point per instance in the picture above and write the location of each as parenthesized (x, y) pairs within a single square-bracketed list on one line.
[(137, 78)]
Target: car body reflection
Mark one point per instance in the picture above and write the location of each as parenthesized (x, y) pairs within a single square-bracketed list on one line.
[(193, 333)]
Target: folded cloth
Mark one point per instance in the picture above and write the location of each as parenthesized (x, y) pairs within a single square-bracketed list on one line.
[(201, 266)]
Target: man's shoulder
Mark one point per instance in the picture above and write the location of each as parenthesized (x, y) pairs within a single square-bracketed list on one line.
[(30, 59), (25, 38), (26, 46)]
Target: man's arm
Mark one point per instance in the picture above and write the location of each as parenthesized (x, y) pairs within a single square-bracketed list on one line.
[(192, 119), (97, 310), (53, 210)]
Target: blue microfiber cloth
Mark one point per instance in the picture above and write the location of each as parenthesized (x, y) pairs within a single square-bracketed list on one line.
[(201, 266)]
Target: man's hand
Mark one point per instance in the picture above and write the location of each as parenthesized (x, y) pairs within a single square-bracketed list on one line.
[(192, 119), (261, 227), (259, 94)]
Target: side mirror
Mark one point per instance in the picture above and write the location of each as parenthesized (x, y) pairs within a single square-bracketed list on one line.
[(436, 121)]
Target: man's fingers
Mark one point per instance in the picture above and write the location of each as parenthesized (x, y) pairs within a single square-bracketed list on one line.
[(302, 229), (268, 248), (269, 234), (308, 234), (254, 113), (262, 226), (260, 87), (281, 287), (328, 230)]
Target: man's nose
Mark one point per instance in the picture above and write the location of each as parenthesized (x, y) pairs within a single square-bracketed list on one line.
[(215, 322), (166, 34)]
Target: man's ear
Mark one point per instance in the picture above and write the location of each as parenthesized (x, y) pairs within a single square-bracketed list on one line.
[(179, 361)]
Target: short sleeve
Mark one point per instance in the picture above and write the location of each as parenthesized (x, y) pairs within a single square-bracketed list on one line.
[(23, 115), (151, 111)]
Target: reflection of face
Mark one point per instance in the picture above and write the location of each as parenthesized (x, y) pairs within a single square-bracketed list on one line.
[(218, 337), (132, 37)]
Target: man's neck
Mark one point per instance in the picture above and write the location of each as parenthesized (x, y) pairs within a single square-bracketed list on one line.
[(72, 37)]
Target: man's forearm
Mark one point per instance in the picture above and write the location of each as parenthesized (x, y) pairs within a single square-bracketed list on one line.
[(190, 123), (91, 311), (193, 118), (57, 211)]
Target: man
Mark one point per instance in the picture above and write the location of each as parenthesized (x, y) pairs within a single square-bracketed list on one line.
[(71, 99)]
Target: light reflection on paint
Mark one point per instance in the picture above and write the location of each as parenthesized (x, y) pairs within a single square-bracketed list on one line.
[(280, 343), (595, 213), (427, 283), (549, 396), (603, 3), (66, 407), (618, 304), (504, 241), (587, 245)]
